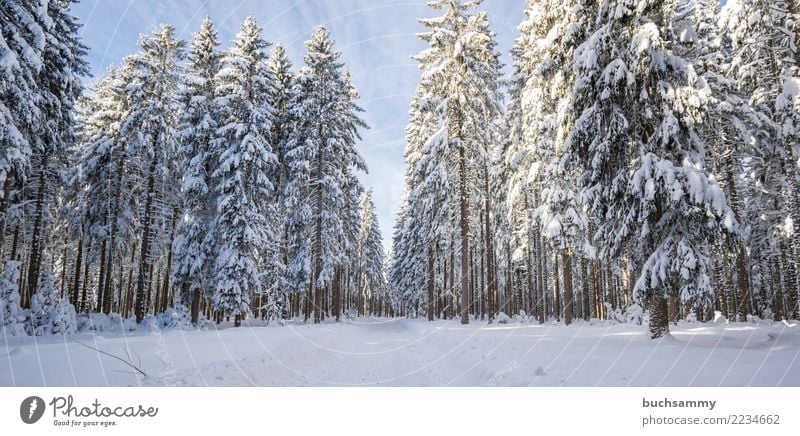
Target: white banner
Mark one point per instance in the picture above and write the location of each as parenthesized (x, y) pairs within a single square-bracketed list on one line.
[(398, 411)]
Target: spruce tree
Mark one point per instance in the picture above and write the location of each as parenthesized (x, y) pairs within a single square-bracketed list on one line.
[(321, 156), (637, 107), (149, 130), (370, 253), (193, 247), (243, 110)]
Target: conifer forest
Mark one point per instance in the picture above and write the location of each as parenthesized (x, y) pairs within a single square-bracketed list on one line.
[(624, 165)]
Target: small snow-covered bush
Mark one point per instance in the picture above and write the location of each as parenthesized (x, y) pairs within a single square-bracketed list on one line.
[(100, 322), (63, 319), (12, 317), (42, 304), (502, 318), (206, 324), (635, 314), (615, 315), (175, 317)]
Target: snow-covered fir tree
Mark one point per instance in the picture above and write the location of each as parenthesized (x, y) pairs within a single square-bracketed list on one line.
[(275, 279), (244, 231), (58, 86), (193, 247), (150, 132), (560, 27), (21, 51), (637, 108), (320, 156), (107, 197), (765, 65), (370, 255), (459, 88)]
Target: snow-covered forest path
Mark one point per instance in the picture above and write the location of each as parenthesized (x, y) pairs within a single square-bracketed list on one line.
[(403, 352)]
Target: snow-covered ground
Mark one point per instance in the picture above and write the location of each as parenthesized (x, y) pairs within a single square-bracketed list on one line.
[(404, 352)]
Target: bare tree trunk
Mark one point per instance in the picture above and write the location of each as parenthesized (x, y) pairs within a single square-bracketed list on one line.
[(464, 224), (34, 263), (145, 266), (778, 310), (128, 305), (556, 290), (165, 303), (430, 284), (84, 306), (102, 280), (77, 278), (659, 324), (337, 305), (587, 284), (568, 297), (4, 208)]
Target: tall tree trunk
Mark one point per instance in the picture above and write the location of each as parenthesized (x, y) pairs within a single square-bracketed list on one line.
[(318, 239), (464, 224), (128, 305), (102, 280), (34, 263), (63, 290), (165, 302), (77, 278), (4, 208), (430, 283), (566, 257), (586, 286), (337, 292), (778, 310), (540, 280), (659, 323), (145, 266), (84, 306), (556, 290)]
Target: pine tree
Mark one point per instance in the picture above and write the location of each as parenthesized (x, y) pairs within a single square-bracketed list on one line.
[(58, 87), (22, 44), (107, 197), (546, 98), (321, 154), (765, 65), (192, 247), (422, 227), (637, 106), (275, 276), (243, 109), (459, 79), (149, 130), (370, 254), (729, 130)]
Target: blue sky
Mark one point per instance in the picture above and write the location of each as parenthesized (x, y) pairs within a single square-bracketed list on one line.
[(376, 38)]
